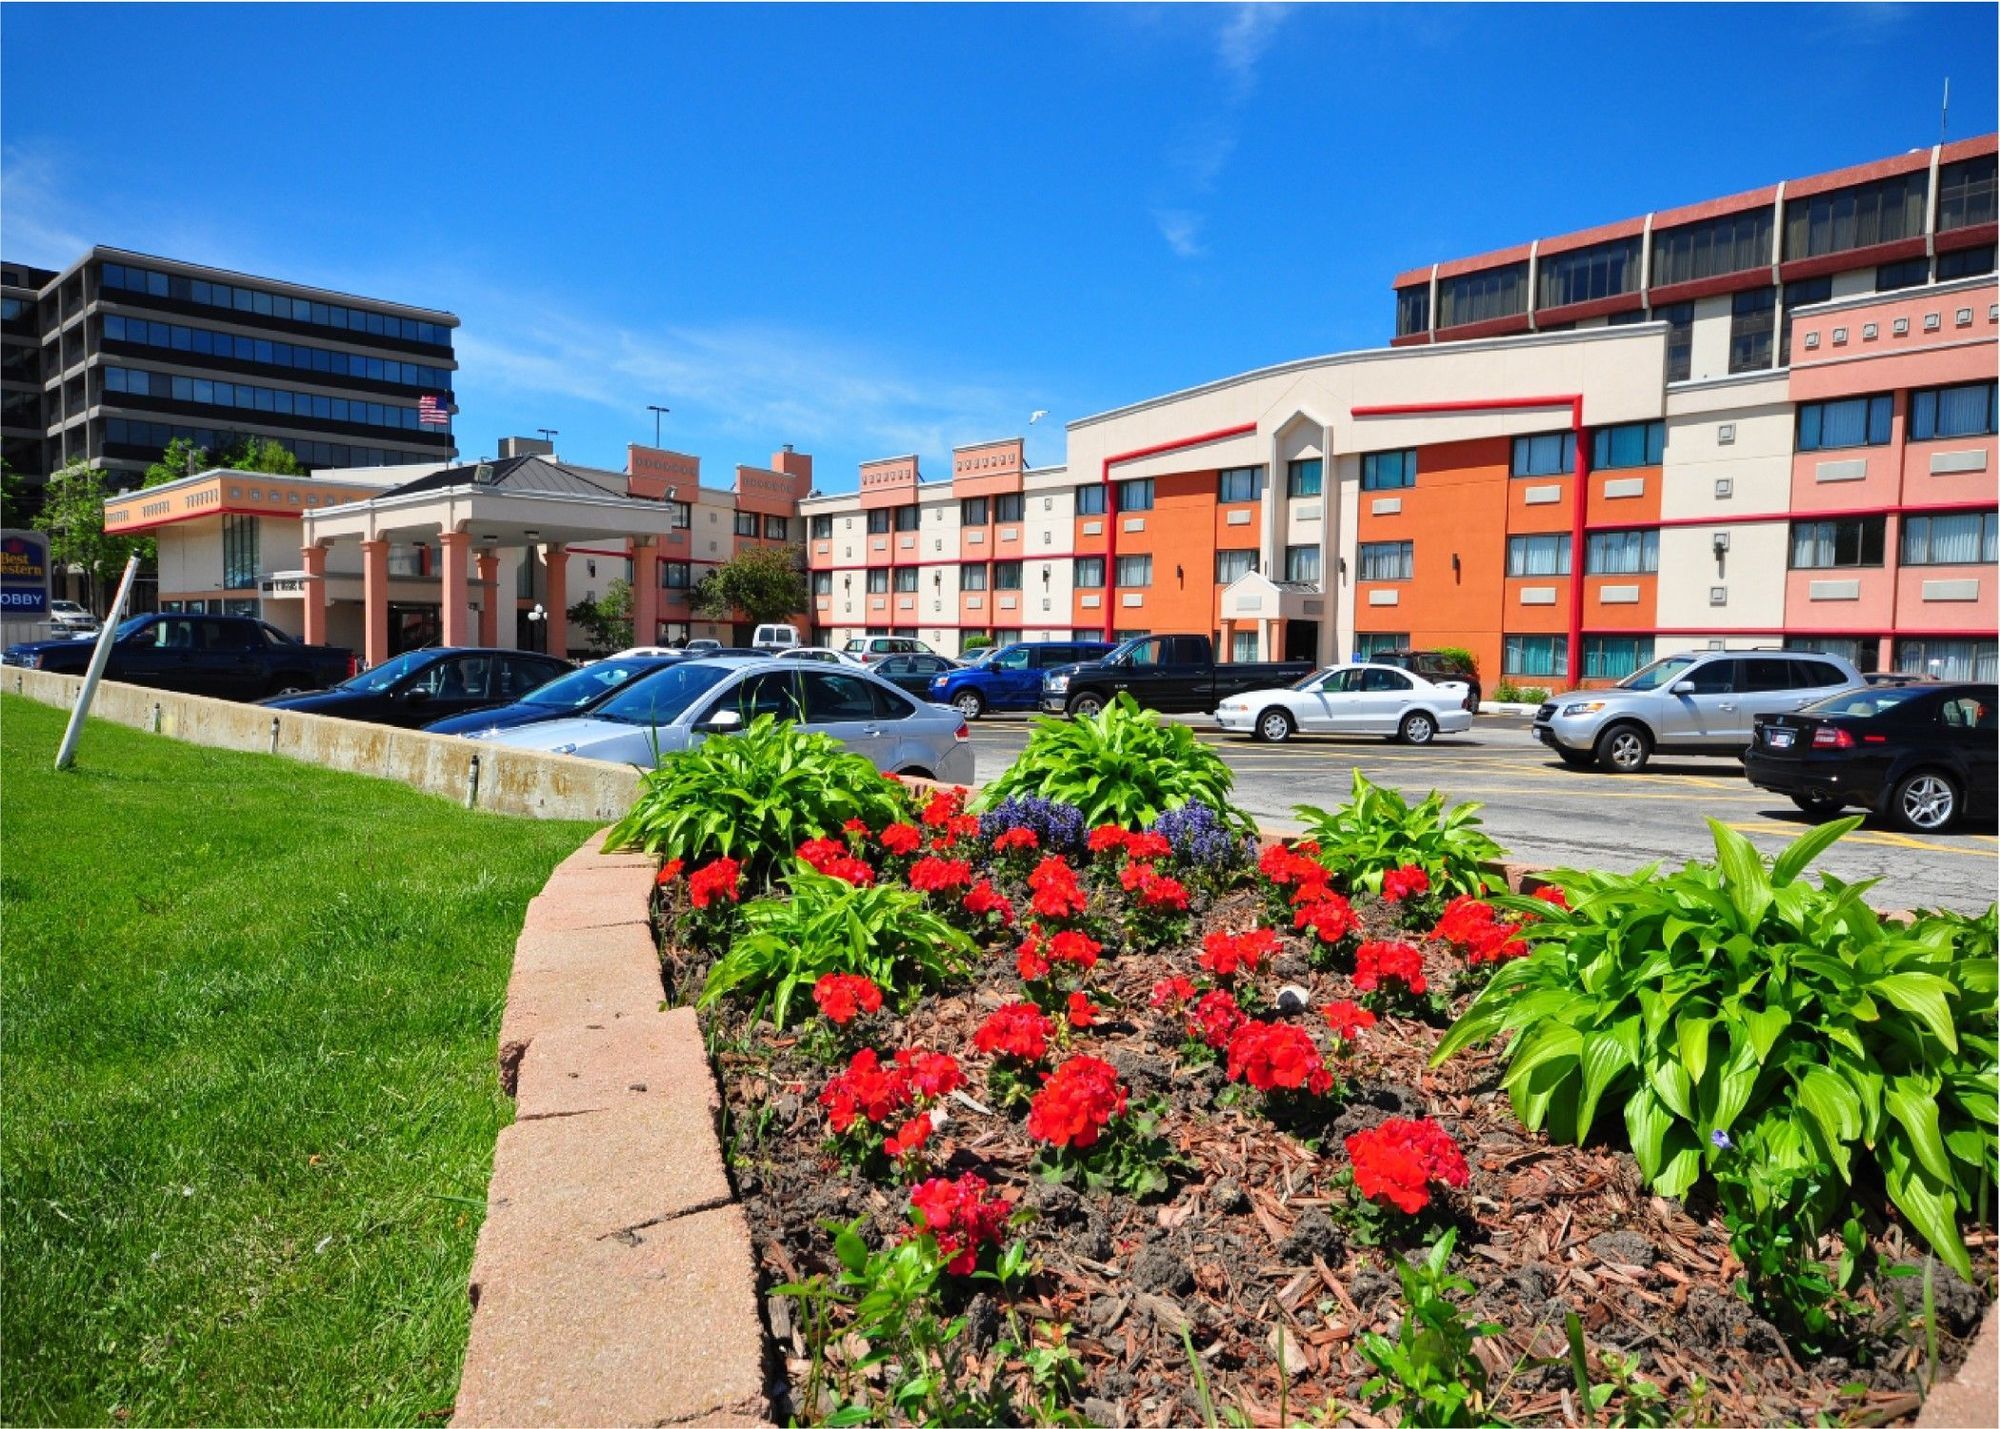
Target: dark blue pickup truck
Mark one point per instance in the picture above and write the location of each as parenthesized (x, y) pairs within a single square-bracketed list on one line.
[(229, 656)]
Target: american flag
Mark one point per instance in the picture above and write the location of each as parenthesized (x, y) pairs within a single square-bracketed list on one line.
[(433, 412)]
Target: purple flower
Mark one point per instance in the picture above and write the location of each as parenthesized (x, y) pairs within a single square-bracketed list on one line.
[(1059, 827), (1719, 1139), (1201, 839)]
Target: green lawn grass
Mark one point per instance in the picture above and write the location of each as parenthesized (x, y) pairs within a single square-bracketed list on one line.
[(247, 1091)]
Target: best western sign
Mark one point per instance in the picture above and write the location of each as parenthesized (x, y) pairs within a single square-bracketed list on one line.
[(24, 573)]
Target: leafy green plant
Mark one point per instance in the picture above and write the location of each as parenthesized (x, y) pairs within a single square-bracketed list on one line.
[(1733, 1002), (1639, 1403), (1428, 1373), (755, 796), (1125, 766), (827, 925), (1769, 1212), (1378, 830)]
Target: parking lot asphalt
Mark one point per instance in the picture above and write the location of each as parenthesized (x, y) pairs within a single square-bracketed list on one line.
[(1543, 812)]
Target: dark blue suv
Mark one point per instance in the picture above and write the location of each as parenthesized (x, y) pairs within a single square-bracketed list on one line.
[(1010, 678)]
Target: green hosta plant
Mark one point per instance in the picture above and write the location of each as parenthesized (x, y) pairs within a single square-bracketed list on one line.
[(827, 925), (1126, 766), (755, 797), (1378, 830), (1732, 1002)]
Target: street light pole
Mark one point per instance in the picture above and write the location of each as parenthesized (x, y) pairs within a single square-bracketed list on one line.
[(657, 412)]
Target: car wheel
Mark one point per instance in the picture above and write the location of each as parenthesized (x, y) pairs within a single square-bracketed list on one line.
[(1926, 802), (970, 704), (1418, 727), (916, 772), (1623, 749), (1472, 700), (1273, 726), (1577, 758), (1819, 808), (1086, 706), (287, 685)]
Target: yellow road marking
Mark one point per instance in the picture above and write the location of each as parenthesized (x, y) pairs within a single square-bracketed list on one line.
[(1879, 837)]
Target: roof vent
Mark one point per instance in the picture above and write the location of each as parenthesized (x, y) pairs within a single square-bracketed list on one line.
[(482, 475)]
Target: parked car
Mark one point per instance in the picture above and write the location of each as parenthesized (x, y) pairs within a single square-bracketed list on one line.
[(1351, 699), (696, 699), (913, 674), (1699, 702), (423, 686), (773, 638), (1009, 677), (649, 652), (870, 648), (820, 655), (702, 646), (1437, 667), (1921, 755), (1896, 677), (230, 656), (574, 693), (69, 618), (1161, 672)]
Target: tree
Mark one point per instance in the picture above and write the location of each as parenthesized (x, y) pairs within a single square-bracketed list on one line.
[(13, 497), (73, 516), (181, 458), (262, 454), (764, 582), (606, 621)]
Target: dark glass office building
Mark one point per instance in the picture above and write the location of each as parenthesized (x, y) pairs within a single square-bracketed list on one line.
[(121, 352)]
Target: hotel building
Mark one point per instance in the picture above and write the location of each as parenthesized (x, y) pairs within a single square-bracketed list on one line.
[(1763, 420)]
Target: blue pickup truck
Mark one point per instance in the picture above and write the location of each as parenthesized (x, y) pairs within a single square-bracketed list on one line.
[(1010, 678)]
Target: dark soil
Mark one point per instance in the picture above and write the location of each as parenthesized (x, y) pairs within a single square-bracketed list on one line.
[(1251, 1236)]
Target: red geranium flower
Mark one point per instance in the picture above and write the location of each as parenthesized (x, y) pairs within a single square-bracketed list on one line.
[(1223, 953), (1330, 916), (1277, 1056), (819, 852), (1148, 846), (719, 879), (865, 1088), (857, 827), (846, 996), (1019, 1030), (1173, 993), (1107, 838), (943, 808), (1020, 837), (1078, 949), (962, 1216), (1082, 1012), (1056, 891), (1376, 963), (1549, 893), (1400, 883), (1285, 866), (901, 839), (1031, 958), (669, 871), (1076, 1103), (1216, 1018), (983, 898), (908, 1137), (1476, 930), (931, 874), (933, 1074), (1347, 1018), (1399, 1160)]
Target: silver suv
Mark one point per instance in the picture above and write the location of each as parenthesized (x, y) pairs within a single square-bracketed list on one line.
[(1699, 702)]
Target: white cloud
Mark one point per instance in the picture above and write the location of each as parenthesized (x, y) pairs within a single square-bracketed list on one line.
[(1182, 230), (1204, 148), (1243, 40), (39, 222)]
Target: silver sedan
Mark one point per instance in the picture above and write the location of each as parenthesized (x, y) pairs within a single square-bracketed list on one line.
[(679, 707), (1351, 699)]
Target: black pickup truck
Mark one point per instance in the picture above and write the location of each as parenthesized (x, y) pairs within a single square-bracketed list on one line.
[(229, 656), (1174, 673)]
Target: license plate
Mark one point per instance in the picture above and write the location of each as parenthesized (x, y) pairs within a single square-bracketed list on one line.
[(1778, 738)]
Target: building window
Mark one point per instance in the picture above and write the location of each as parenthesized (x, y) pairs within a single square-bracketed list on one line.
[(1535, 656), (1583, 275), (1613, 657), (972, 511), (1233, 565), (1135, 570), (675, 575), (1007, 506), (1545, 555), (1388, 471), (1910, 273), (1825, 545), (1803, 293), (1964, 263), (822, 528), (878, 581), (1413, 310), (777, 528), (1679, 318), (1850, 422), (1857, 217), (1752, 325), (1370, 643), (1386, 560), (906, 580), (972, 577), (878, 521), (746, 523), (1863, 654), (1302, 564), (1965, 411), (1960, 539), (1947, 659), (1632, 444), (907, 518), (680, 514), (1090, 572), (1090, 499), (822, 582), (239, 552), (1965, 194), (1303, 478), (1239, 483), (1006, 575), (1136, 495), (1242, 646), (1621, 553), (1734, 244), (1481, 297), (1545, 454)]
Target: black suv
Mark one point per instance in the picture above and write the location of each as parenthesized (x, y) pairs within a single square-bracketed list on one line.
[(1433, 665)]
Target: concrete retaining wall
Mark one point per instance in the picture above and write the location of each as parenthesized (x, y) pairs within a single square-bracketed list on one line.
[(509, 781)]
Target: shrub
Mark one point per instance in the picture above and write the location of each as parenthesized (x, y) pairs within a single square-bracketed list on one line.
[(827, 925), (755, 797), (1730, 1002), (1377, 831), (1127, 767)]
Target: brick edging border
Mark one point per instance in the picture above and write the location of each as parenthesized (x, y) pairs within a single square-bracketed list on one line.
[(613, 1282)]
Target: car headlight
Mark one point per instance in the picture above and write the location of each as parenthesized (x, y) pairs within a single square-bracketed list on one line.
[(1056, 684), (1583, 707)]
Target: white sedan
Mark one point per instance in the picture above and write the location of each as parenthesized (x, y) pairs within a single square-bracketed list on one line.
[(1351, 699)]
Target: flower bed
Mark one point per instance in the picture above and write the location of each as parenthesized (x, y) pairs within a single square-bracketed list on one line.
[(1034, 1119)]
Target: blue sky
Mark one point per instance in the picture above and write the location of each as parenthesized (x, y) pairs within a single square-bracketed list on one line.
[(872, 230)]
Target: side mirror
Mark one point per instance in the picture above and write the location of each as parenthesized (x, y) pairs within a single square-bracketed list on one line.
[(416, 694), (1685, 687), (721, 722)]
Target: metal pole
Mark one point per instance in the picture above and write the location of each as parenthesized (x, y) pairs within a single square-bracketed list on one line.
[(99, 658)]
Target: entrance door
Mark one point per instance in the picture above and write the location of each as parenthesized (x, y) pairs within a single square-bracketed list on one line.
[(1302, 640), (414, 627)]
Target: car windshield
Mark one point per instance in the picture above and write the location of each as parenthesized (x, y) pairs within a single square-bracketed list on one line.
[(1866, 704), (1660, 672), (128, 628), (581, 687), (666, 696), (382, 677), (974, 661), (1306, 682)]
